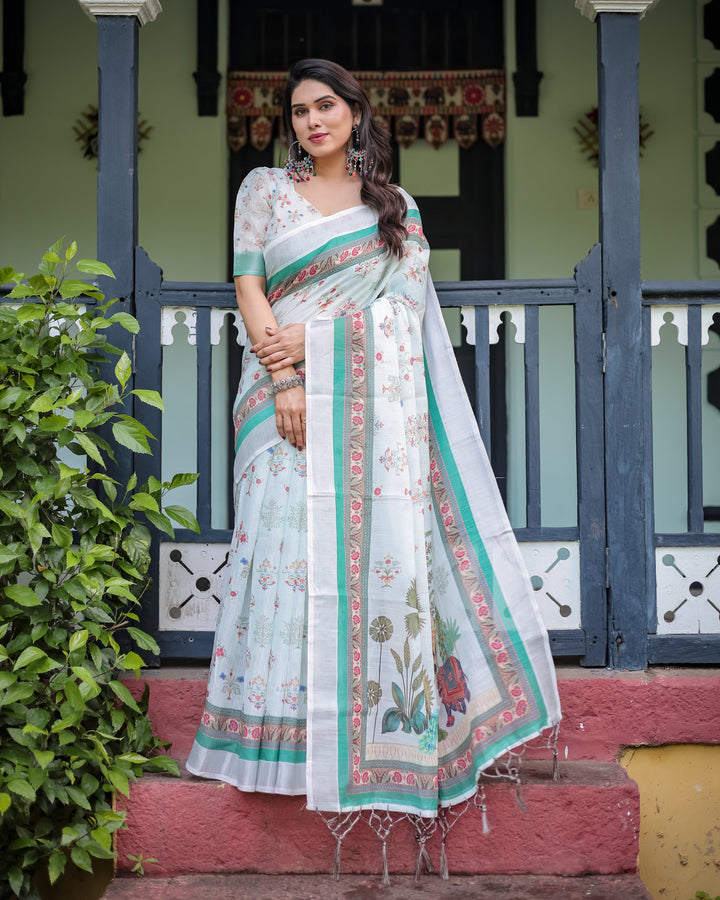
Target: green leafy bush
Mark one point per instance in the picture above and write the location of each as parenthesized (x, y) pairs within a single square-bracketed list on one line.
[(74, 556)]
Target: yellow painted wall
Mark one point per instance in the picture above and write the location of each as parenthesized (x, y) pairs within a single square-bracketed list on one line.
[(679, 818)]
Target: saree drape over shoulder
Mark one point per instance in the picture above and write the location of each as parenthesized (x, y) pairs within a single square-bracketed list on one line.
[(378, 643)]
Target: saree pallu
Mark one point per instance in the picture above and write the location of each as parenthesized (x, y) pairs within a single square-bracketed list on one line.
[(425, 655)]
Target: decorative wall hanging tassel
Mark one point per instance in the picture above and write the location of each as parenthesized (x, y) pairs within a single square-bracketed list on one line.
[(556, 767), (518, 797)]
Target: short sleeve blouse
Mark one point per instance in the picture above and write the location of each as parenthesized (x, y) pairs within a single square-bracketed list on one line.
[(253, 213)]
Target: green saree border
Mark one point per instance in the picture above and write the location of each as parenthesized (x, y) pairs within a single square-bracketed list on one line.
[(328, 246), (464, 508), (264, 754), (339, 326)]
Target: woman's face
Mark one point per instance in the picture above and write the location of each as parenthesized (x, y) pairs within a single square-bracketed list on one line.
[(322, 121)]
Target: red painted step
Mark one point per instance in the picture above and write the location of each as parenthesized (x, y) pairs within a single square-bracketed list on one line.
[(585, 822), (404, 887), (602, 711)]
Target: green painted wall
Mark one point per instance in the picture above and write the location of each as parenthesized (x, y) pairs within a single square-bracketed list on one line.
[(546, 232), (47, 188)]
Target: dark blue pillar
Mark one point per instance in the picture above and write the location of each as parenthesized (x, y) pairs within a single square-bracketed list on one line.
[(117, 167), (117, 203), (627, 491)]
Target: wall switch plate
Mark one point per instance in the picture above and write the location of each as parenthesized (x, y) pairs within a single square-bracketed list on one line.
[(588, 198)]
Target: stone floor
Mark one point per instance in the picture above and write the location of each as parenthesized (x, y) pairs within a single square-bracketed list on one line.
[(359, 887)]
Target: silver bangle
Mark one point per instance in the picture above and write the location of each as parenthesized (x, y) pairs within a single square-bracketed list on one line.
[(284, 383)]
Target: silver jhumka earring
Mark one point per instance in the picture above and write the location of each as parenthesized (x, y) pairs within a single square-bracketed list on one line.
[(355, 156), (299, 167)]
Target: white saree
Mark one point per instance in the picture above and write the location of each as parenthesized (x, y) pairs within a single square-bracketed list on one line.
[(378, 643)]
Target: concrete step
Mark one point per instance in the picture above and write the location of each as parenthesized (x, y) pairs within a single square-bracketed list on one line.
[(360, 887), (587, 821), (603, 711)]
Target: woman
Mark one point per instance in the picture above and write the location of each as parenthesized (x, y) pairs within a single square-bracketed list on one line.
[(378, 644)]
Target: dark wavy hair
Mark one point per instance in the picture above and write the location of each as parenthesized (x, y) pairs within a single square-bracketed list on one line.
[(376, 191)]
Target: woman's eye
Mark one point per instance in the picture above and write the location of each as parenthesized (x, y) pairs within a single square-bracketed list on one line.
[(326, 106)]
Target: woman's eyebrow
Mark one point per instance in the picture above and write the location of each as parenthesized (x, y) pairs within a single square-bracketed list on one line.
[(324, 97)]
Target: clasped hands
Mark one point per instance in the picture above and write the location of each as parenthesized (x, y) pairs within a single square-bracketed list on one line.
[(283, 347)]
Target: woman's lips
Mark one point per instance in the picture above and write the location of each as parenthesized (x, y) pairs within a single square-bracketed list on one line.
[(317, 138)]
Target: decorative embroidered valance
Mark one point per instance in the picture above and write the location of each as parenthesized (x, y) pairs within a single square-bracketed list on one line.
[(407, 103)]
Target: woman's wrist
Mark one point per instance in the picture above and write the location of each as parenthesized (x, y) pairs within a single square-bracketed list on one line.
[(290, 381), (285, 372)]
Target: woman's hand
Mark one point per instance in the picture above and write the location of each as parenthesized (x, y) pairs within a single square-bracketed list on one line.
[(290, 415), (282, 347)]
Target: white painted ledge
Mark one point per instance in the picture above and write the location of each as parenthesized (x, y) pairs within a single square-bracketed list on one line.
[(591, 8), (145, 10)]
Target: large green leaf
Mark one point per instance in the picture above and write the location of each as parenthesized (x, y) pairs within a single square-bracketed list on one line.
[(137, 546), (44, 757), (74, 287), (182, 478), (78, 640), (161, 522), (8, 678), (132, 661), (131, 434), (10, 395), (10, 508), (142, 500), (119, 781), (21, 788), (28, 656), (81, 858), (122, 693), (183, 517), (123, 369), (56, 865), (144, 640), (53, 423), (17, 692), (61, 535), (22, 595), (94, 267), (152, 398), (31, 312), (128, 322), (88, 444)]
